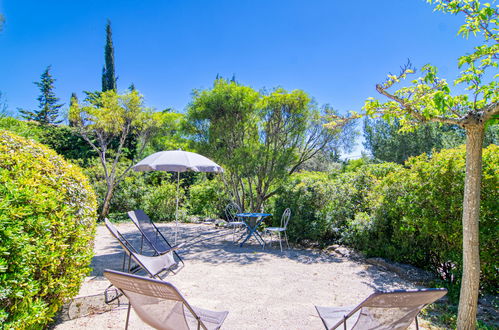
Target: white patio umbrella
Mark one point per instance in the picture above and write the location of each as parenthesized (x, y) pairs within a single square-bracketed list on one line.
[(177, 161)]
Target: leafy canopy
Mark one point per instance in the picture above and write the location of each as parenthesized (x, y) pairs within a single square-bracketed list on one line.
[(49, 107), (429, 97), (259, 137)]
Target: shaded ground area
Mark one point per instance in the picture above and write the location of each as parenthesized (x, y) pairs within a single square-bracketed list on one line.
[(262, 289)]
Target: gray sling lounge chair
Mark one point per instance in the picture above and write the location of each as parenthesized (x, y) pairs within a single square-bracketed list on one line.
[(153, 237), (160, 305), (381, 310), (153, 265)]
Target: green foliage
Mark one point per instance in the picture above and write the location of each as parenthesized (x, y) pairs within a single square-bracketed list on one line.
[(47, 224), (416, 216), (385, 143), (429, 98), (48, 108), (108, 72), (107, 121), (307, 195), (168, 134), (259, 138), (207, 198), (61, 138), (73, 104), (323, 204), (130, 192), (160, 203)]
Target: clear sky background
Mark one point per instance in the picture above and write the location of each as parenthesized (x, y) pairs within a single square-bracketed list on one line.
[(334, 50)]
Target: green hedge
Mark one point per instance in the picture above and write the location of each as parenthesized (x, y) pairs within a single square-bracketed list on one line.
[(409, 214), (47, 225), (416, 215), (207, 198), (322, 204), (61, 138)]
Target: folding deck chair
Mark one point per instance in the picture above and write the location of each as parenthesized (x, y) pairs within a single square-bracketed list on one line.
[(160, 305), (153, 265), (381, 310), (153, 237)]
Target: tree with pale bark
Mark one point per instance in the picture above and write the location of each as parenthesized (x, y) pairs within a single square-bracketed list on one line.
[(260, 138), (105, 122), (430, 99)]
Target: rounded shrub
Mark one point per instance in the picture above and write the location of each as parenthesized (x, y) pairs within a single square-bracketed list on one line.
[(207, 198), (323, 204), (160, 202), (47, 226), (416, 216)]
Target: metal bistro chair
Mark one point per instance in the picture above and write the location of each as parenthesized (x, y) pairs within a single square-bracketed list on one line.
[(153, 237), (160, 305), (286, 215), (381, 310), (232, 221)]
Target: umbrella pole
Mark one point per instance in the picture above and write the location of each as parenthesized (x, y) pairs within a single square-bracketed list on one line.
[(176, 210)]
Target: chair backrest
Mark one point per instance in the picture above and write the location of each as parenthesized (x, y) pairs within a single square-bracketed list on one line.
[(285, 218), (394, 310), (157, 303), (125, 244), (152, 235), (231, 210)]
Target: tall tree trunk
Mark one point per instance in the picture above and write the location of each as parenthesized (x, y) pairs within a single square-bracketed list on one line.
[(107, 202), (468, 299)]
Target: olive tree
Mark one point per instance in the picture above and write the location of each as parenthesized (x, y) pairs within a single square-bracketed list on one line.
[(430, 99), (106, 120), (259, 137)]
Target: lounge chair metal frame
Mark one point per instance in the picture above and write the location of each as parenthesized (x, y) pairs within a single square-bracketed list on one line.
[(140, 218), (157, 289), (138, 258), (416, 300)]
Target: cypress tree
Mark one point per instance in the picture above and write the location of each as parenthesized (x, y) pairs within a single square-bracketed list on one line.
[(48, 106), (108, 72), (73, 102)]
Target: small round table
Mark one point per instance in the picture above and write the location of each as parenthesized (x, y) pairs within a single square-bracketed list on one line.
[(252, 221)]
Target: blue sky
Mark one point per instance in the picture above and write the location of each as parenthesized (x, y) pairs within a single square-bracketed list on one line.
[(334, 50)]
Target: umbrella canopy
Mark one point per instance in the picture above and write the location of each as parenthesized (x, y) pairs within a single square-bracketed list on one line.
[(177, 161)]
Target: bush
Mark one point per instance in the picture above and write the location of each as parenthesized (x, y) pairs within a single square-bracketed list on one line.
[(323, 204), (61, 138), (47, 224), (207, 198), (160, 203), (417, 212), (130, 192)]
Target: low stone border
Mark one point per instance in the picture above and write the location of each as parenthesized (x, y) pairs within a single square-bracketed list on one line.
[(406, 272)]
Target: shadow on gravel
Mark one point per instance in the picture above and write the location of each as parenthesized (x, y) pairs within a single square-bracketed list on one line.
[(206, 244), (381, 280)]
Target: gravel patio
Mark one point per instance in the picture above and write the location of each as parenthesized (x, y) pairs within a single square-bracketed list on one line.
[(261, 289)]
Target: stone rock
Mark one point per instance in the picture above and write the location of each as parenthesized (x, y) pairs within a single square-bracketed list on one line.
[(332, 247), (407, 272)]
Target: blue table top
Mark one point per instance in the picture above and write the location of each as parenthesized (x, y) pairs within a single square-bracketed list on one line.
[(253, 215)]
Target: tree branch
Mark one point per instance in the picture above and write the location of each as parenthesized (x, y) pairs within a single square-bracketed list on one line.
[(490, 110)]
